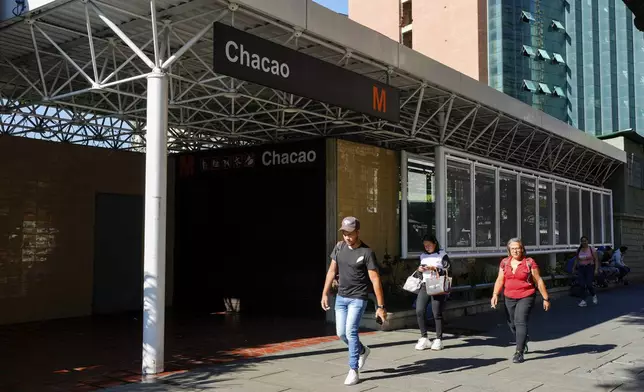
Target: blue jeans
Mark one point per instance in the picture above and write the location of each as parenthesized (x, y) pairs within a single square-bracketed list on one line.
[(348, 312)]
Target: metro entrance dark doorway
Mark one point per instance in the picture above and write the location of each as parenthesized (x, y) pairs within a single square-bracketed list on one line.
[(250, 224)]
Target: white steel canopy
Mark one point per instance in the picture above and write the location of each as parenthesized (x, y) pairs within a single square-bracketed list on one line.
[(74, 71)]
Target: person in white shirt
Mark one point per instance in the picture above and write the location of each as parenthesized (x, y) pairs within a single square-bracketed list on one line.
[(432, 260)]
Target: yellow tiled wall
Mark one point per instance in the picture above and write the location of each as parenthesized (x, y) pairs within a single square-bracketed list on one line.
[(47, 197), (368, 188)]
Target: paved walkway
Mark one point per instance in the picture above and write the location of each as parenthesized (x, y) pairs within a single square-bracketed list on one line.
[(598, 348)]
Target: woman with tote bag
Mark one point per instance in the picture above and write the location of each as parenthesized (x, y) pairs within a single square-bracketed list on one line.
[(434, 264)]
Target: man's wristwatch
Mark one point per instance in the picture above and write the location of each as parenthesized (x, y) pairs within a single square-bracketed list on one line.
[(546, 300), (380, 307)]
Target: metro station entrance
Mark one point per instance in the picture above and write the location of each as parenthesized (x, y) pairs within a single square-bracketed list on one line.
[(250, 229)]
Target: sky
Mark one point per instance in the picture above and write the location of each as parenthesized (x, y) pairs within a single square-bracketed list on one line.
[(341, 6)]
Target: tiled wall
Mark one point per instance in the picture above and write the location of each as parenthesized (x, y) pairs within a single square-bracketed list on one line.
[(47, 193), (368, 188)]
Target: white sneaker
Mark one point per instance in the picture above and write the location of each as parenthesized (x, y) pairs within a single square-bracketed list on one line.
[(582, 303), (352, 378), (423, 344), (363, 357), (595, 300), (437, 344)]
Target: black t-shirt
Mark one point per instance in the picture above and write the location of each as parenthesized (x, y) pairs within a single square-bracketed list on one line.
[(353, 266)]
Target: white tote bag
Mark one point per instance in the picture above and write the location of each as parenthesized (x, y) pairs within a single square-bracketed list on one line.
[(413, 283), (438, 284)]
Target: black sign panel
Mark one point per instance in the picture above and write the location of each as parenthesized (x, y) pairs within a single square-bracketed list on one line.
[(249, 57), (305, 154)]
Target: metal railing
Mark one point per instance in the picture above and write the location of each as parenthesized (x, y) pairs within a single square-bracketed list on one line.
[(482, 286)]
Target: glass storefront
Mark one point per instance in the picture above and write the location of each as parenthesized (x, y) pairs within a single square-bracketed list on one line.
[(488, 203)]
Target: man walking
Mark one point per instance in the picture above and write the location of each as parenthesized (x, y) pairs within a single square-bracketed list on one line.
[(355, 263)]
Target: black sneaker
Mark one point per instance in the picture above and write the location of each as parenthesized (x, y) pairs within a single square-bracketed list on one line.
[(518, 357)]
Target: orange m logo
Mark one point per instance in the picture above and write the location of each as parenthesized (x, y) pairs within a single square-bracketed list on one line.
[(186, 165), (379, 100)]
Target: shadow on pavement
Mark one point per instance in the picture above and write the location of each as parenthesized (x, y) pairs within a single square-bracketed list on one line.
[(571, 350), (545, 326), (211, 377), (635, 385), (440, 365)]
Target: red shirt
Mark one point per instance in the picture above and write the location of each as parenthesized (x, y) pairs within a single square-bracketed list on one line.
[(519, 284)]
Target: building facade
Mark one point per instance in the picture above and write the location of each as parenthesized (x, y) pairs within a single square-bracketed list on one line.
[(581, 62)]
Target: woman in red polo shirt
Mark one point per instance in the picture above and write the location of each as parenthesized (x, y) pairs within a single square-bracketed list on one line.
[(519, 274)]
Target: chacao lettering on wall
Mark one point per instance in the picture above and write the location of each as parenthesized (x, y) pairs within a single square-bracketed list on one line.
[(272, 158)]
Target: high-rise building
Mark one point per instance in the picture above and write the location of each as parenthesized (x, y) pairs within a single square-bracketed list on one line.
[(581, 61)]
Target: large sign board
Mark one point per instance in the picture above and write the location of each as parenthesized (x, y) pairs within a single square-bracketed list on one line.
[(248, 57)]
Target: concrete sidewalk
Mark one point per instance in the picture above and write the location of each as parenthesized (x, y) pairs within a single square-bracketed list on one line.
[(598, 348)]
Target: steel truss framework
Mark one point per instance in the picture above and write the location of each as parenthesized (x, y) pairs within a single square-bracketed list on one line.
[(76, 72)]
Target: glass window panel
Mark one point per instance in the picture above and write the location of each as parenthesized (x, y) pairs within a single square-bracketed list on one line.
[(544, 89), (575, 219), (545, 212), (508, 205), (528, 210), (586, 224), (561, 215), (420, 203), (608, 219), (485, 206), (597, 218), (459, 201)]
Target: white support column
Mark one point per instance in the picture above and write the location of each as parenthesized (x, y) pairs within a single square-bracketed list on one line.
[(440, 177), (156, 172)]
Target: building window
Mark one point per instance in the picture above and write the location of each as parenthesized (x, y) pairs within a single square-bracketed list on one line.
[(544, 89), (635, 175), (545, 212), (586, 223), (488, 203), (459, 200), (542, 54), (528, 51), (597, 219), (405, 14), (608, 219), (528, 211), (557, 26), (561, 214), (407, 38), (558, 59), (421, 210), (485, 204), (529, 85), (558, 92), (508, 204), (527, 17)]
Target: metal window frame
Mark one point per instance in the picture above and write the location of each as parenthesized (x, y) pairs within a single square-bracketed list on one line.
[(464, 161), (518, 173), (494, 171)]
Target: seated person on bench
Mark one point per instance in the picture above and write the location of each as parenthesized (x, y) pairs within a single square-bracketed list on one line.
[(617, 261)]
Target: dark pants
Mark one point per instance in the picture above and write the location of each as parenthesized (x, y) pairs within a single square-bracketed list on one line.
[(438, 304), (623, 271), (586, 275), (517, 312)]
